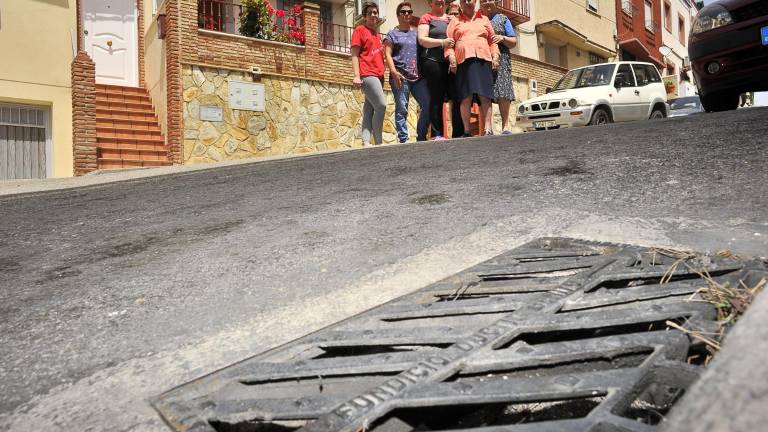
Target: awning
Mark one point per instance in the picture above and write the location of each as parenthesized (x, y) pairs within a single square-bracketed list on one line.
[(639, 50), (560, 31)]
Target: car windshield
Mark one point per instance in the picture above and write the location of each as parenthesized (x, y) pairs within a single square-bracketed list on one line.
[(586, 77), (682, 103)]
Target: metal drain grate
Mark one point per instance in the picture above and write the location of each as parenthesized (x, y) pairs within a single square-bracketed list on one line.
[(557, 334)]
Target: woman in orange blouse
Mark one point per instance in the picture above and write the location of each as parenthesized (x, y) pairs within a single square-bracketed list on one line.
[(472, 59)]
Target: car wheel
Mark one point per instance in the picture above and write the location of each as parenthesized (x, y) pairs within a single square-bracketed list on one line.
[(600, 117), (657, 114), (720, 101)]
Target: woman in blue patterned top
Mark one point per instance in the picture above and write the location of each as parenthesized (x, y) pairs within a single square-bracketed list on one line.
[(400, 50), (503, 91)]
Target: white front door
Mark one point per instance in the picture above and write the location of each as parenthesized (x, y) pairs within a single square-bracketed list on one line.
[(110, 35)]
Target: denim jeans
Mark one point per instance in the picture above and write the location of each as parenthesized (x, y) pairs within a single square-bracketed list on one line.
[(420, 92)]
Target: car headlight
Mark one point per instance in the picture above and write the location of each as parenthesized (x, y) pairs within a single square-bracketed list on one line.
[(710, 18), (573, 103), (521, 110)]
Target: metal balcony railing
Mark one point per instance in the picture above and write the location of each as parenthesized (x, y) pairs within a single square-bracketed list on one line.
[(516, 10), (627, 7), (224, 16), (334, 37), (652, 26), (219, 15)]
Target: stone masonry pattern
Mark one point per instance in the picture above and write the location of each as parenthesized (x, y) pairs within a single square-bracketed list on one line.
[(301, 116)]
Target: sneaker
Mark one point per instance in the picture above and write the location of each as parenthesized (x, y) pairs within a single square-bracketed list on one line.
[(489, 133), (467, 135), (506, 132), (438, 138)]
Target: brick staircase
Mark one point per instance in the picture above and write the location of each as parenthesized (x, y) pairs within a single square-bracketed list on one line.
[(127, 132)]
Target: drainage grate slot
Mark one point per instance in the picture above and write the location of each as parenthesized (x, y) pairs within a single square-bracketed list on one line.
[(257, 426), (655, 280), (589, 333), (501, 312), (536, 275), (490, 414), (584, 364), (363, 350), (321, 382)]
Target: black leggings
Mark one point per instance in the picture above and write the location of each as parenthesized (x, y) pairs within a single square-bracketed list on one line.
[(436, 74)]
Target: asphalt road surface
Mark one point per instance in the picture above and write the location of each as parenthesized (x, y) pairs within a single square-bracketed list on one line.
[(114, 293)]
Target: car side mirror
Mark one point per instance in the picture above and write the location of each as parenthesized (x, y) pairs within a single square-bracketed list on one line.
[(619, 82), (547, 90)]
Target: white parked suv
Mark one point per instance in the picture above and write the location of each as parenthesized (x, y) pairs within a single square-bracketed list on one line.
[(597, 94)]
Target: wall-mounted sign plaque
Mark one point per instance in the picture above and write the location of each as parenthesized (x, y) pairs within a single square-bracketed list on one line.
[(246, 96), (211, 113)]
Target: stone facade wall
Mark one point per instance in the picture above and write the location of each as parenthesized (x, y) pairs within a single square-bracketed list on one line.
[(301, 116)]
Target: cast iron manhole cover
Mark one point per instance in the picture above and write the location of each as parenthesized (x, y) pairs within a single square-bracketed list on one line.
[(557, 334)]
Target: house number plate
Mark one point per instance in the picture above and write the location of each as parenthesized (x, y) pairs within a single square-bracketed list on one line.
[(246, 96)]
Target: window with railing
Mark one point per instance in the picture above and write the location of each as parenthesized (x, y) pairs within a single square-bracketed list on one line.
[(253, 18), (626, 7), (519, 7), (593, 6), (596, 58), (649, 24), (334, 37)]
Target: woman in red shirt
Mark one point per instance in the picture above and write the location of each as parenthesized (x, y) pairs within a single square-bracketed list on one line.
[(368, 68), (473, 59)]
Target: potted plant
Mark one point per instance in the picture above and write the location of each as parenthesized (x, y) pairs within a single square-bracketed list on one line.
[(255, 19), (670, 86)]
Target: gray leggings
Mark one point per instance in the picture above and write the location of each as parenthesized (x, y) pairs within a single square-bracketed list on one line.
[(373, 110)]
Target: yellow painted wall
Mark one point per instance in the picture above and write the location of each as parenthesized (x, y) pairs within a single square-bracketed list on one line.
[(154, 67), (527, 43), (599, 28), (36, 46)]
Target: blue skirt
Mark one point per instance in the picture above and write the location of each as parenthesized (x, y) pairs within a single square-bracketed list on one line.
[(474, 77)]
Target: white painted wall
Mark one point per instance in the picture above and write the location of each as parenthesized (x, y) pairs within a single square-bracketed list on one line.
[(671, 39)]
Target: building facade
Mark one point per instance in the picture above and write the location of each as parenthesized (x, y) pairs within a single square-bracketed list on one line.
[(35, 89), (572, 34), (677, 17), (639, 31)]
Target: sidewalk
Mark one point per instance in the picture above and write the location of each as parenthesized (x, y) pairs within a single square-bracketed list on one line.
[(31, 186)]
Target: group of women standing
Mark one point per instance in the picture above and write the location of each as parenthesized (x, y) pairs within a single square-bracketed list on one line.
[(456, 55)]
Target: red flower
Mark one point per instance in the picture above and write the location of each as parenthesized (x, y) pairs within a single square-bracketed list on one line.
[(280, 13), (291, 22), (296, 8)]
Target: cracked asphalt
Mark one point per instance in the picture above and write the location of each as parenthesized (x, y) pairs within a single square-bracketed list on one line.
[(114, 292)]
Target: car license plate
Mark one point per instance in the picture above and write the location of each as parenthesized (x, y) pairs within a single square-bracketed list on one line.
[(544, 124), (764, 32)]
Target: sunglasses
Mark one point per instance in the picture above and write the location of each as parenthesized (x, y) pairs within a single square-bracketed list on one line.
[(453, 13), (406, 12)]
